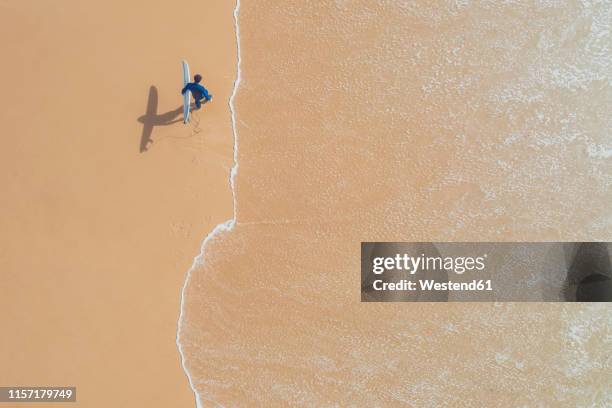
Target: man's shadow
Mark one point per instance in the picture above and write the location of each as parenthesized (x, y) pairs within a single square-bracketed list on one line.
[(152, 119)]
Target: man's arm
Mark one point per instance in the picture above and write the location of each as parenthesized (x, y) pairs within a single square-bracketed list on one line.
[(204, 92)]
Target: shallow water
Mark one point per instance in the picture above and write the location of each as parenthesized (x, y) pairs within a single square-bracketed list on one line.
[(405, 121)]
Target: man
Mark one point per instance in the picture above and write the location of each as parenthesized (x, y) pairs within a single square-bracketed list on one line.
[(197, 90)]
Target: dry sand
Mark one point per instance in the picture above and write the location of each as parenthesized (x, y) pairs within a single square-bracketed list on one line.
[(96, 235)]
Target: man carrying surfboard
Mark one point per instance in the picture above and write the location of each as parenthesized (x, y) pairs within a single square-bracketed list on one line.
[(197, 90)]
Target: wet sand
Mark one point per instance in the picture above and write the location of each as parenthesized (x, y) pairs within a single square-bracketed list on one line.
[(390, 121), (105, 197)]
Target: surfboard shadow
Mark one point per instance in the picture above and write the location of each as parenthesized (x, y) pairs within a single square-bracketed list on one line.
[(151, 119)]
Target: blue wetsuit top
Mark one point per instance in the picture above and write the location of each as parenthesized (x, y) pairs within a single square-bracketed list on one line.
[(197, 90)]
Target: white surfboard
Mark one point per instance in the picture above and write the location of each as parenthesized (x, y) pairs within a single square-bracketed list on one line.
[(186, 95)]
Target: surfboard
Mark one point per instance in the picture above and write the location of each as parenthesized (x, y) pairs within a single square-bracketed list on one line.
[(186, 95)]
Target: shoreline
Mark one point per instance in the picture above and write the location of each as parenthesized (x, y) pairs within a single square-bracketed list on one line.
[(225, 226)]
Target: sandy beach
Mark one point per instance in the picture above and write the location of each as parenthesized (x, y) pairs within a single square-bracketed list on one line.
[(355, 121), (104, 201)]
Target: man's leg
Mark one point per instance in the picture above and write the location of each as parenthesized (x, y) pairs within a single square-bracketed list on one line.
[(198, 103)]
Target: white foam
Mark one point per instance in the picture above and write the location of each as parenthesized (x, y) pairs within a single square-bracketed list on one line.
[(225, 226)]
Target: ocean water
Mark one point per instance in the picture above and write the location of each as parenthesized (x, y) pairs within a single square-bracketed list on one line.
[(404, 121)]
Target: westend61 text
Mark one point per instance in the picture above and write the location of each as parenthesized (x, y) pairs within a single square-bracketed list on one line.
[(432, 285)]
